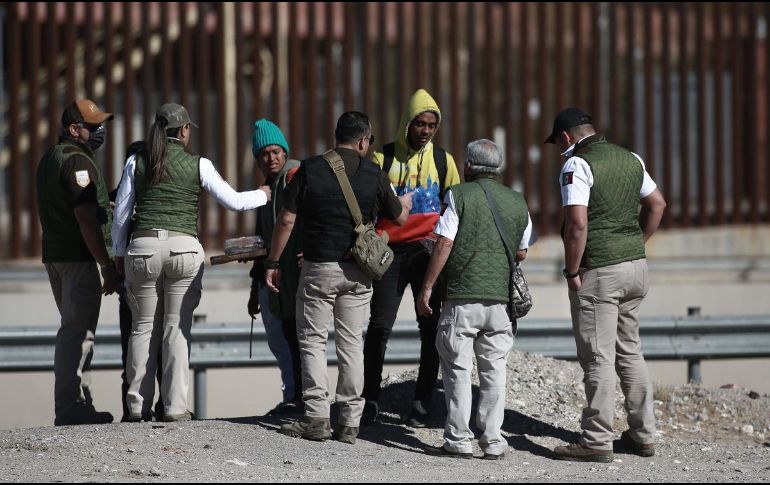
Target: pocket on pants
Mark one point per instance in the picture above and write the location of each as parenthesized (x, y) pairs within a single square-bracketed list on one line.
[(184, 260), (138, 262), (445, 333)]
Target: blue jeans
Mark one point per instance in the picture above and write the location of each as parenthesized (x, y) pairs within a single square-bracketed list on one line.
[(279, 346)]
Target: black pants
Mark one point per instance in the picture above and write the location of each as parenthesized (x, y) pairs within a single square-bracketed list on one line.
[(408, 268), (290, 332)]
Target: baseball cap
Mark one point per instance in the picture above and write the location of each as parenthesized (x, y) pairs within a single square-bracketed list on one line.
[(569, 118), (175, 114), (86, 111)]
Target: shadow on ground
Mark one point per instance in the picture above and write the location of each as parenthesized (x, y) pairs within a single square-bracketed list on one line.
[(395, 404)]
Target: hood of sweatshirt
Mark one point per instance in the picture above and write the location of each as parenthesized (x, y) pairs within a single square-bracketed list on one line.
[(419, 103)]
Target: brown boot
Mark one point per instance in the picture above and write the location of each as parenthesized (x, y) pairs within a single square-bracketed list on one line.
[(315, 429), (631, 445), (345, 434), (578, 452)]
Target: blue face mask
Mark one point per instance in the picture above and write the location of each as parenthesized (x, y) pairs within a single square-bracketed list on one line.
[(96, 138)]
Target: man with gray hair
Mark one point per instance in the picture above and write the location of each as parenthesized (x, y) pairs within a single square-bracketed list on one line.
[(474, 318)]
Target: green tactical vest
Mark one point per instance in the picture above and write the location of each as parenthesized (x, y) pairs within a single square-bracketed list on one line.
[(478, 267), (62, 241), (614, 235), (171, 204)]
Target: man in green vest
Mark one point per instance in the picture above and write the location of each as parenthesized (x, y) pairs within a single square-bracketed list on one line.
[(604, 233), (474, 319), (75, 214)]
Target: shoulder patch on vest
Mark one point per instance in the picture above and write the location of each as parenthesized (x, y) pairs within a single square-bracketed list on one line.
[(566, 178), (82, 178)]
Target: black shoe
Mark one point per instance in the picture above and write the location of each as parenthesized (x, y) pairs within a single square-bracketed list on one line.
[(629, 444), (441, 451), (418, 417), (345, 434), (371, 413), (489, 456), (81, 413), (287, 408), (314, 429), (578, 452)]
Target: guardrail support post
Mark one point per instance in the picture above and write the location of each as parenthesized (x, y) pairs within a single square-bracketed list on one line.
[(693, 372), (200, 393)]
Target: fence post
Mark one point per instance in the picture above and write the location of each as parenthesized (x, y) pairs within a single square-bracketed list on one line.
[(693, 365), (200, 392)]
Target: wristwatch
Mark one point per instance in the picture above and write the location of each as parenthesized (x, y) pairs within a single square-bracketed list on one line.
[(569, 275), (271, 264)]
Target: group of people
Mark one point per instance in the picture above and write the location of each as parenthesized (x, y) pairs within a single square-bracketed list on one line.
[(453, 242)]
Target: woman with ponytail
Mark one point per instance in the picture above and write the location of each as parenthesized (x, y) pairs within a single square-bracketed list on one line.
[(163, 263)]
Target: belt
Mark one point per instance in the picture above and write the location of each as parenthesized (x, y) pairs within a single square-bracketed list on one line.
[(159, 233)]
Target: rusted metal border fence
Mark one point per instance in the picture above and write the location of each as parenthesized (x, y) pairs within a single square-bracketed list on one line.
[(684, 85)]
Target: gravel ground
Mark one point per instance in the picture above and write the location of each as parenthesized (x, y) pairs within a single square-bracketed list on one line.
[(705, 435)]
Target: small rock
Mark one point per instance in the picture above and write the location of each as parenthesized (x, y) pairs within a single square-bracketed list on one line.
[(320, 468), (754, 395), (238, 462), (518, 403), (705, 448), (288, 462), (154, 472), (687, 468), (617, 460), (677, 462), (206, 446), (131, 450), (612, 468), (730, 386), (701, 392), (747, 429)]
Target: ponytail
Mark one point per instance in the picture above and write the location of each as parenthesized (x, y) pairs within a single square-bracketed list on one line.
[(157, 147)]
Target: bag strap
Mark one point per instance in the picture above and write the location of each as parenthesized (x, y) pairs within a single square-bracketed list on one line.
[(338, 167), (388, 154), (499, 224)]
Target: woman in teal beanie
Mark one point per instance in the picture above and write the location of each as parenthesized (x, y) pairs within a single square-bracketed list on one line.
[(271, 152)]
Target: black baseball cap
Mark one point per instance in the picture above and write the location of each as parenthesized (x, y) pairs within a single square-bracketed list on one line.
[(569, 118)]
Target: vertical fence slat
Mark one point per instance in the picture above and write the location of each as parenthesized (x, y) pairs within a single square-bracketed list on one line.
[(256, 79), (736, 61), (615, 116), (109, 93), (630, 115), (384, 73), (88, 59), (185, 64), (526, 126), (33, 80), (52, 70), (70, 36), (312, 82), (649, 100), (348, 52), (684, 117), (243, 157), (148, 85), (719, 127), (295, 74), (331, 83), (128, 75), (546, 153), (596, 64), (752, 116), (204, 70), (367, 65), (221, 107), (277, 92), (767, 109), (472, 79), (507, 56), (702, 114), (668, 153), (579, 66), (165, 53), (14, 126), (454, 69)]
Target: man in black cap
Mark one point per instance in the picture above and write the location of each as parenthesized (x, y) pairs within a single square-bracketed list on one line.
[(604, 233), (75, 214)]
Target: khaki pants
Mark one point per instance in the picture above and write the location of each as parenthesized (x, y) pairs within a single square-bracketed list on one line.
[(481, 328), (77, 290), (168, 272), (339, 291), (605, 321)]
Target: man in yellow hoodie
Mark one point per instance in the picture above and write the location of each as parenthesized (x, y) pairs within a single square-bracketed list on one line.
[(413, 164)]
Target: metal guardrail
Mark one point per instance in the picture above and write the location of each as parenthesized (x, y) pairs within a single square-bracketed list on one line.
[(691, 338)]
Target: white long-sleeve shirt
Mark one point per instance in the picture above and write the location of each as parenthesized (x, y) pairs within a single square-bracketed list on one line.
[(211, 181)]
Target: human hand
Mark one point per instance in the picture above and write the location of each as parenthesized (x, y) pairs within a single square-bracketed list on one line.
[(575, 283), (120, 265), (267, 191), (273, 279), (406, 200), (423, 302), (110, 279)]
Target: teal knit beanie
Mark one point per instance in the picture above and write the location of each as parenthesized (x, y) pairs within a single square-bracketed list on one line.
[(266, 133)]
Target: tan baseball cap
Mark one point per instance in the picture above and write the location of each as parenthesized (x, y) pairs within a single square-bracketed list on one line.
[(175, 114), (91, 113)]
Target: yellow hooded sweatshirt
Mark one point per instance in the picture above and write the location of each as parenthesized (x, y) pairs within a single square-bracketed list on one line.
[(415, 171)]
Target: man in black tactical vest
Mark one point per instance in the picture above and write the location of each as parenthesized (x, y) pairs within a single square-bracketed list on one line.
[(604, 234), (483, 228), (332, 285), (75, 214)]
